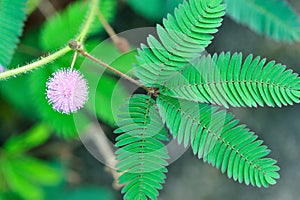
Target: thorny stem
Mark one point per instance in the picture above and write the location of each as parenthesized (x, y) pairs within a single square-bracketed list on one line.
[(34, 65), (87, 55)]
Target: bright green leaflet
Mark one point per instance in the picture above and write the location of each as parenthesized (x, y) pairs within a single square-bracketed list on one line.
[(183, 37), (216, 137), (12, 17), (226, 80), (141, 153), (274, 18)]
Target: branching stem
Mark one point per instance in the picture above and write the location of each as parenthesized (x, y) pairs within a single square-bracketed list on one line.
[(87, 55), (45, 60)]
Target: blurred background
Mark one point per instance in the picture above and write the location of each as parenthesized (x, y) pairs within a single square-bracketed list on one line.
[(41, 155)]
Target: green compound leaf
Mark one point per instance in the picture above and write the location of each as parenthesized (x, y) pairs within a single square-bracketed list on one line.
[(22, 143), (54, 34), (217, 138), (25, 176), (142, 155), (12, 17), (227, 80), (274, 18), (36, 171), (19, 185), (183, 37)]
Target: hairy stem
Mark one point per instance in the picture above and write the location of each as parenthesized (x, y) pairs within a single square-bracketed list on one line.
[(61, 52), (34, 65), (87, 55), (90, 18)]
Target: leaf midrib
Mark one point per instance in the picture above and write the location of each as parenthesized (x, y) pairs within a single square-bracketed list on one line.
[(218, 137)]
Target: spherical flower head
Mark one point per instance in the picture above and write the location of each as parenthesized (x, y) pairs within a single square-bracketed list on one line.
[(67, 91)]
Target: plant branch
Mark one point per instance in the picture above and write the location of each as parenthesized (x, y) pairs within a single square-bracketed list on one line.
[(87, 55), (120, 42), (34, 65), (110, 31), (86, 26)]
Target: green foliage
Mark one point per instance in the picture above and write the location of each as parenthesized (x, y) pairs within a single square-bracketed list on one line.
[(22, 174), (182, 78), (32, 5), (174, 65), (274, 18), (22, 143), (88, 193), (142, 155), (217, 138), (153, 9), (183, 38), (71, 20), (227, 80), (12, 17), (63, 192)]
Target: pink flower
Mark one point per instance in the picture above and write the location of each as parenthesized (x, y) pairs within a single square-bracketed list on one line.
[(67, 91)]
